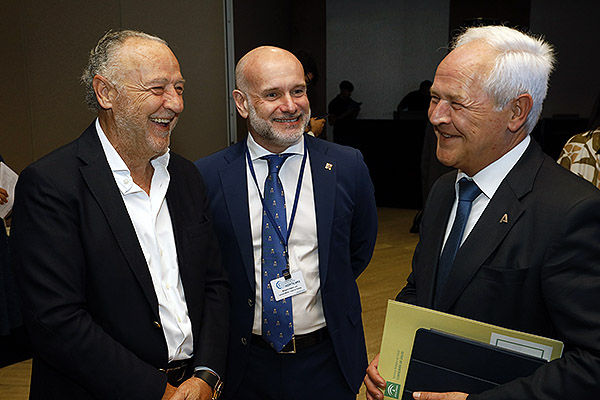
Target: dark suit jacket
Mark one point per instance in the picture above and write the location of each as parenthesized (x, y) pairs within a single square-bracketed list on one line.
[(537, 273), (87, 294), (346, 230)]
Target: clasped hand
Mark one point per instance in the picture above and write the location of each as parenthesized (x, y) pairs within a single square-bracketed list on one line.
[(375, 385)]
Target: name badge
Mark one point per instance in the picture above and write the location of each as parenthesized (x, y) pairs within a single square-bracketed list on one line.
[(284, 288)]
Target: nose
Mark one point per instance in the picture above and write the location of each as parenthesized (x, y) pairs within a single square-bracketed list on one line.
[(288, 105), (173, 100), (439, 112)]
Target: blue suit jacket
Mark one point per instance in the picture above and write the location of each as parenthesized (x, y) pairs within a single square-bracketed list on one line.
[(346, 229)]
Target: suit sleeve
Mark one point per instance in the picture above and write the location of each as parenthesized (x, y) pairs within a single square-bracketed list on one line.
[(49, 262), (570, 285), (214, 326), (364, 220)]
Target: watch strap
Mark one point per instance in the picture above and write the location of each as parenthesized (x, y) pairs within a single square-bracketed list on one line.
[(212, 380)]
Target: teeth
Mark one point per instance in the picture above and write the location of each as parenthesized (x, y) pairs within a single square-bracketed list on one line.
[(160, 120), (286, 120)]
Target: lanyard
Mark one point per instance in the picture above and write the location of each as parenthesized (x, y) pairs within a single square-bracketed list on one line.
[(296, 197)]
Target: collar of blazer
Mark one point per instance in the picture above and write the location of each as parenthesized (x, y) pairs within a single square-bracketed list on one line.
[(501, 214), (99, 179)]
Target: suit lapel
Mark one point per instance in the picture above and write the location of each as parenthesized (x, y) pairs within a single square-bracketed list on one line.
[(98, 176), (324, 176), (501, 214), (235, 192)]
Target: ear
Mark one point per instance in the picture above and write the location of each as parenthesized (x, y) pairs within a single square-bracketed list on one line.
[(241, 103), (520, 109), (103, 89)]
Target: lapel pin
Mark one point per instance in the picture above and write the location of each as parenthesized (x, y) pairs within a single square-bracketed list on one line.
[(328, 166), (504, 219)]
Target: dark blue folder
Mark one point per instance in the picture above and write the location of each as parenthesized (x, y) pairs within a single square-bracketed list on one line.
[(441, 362)]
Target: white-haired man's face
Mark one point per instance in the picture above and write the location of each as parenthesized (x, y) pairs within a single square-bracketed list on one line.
[(471, 132)]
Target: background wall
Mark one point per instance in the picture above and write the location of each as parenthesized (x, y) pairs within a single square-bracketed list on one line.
[(386, 47), (46, 45), (572, 27)]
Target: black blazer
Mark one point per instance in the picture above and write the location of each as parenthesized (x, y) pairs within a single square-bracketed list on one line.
[(87, 294), (346, 230), (538, 272)]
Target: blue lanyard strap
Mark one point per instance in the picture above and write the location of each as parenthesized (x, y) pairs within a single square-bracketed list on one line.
[(296, 197)]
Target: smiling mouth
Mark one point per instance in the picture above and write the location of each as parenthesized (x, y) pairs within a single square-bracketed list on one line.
[(287, 120), (161, 121)]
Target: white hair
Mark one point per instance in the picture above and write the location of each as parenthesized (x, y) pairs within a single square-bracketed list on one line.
[(523, 65)]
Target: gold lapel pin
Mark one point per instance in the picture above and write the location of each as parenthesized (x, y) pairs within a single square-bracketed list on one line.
[(504, 219), (328, 166)]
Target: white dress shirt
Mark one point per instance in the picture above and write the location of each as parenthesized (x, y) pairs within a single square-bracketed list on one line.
[(152, 222), (488, 180), (307, 307)]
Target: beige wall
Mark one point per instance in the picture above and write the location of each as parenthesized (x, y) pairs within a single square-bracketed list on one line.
[(45, 45)]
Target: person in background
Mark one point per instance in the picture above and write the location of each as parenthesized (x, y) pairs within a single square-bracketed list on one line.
[(417, 100), (343, 111), (521, 249), (10, 313), (267, 194), (581, 153), (118, 266)]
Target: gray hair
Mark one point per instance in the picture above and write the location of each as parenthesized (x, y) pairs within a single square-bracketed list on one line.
[(102, 60), (523, 65)]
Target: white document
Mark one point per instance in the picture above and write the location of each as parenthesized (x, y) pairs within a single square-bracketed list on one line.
[(8, 181), (521, 346)]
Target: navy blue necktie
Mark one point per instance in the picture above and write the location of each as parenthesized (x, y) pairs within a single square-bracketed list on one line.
[(277, 327), (467, 192)]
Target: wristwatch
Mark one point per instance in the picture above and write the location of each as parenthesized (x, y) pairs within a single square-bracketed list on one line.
[(213, 381)]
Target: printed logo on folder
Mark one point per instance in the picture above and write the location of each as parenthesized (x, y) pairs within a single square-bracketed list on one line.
[(392, 390)]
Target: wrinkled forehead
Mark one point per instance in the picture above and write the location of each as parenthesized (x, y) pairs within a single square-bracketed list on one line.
[(148, 57), (473, 61)]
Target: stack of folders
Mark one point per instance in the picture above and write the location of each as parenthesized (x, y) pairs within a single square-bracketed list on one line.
[(441, 362), (431, 351)]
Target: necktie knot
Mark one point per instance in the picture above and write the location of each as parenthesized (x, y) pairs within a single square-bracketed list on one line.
[(275, 162), (467, 190)]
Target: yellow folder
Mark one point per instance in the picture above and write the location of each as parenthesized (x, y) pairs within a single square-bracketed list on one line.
[(403, 320)]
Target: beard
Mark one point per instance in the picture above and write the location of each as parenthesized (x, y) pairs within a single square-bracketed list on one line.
[(280, 137), (136, 135)]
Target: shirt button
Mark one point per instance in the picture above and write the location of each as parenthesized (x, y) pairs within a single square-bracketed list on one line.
[(250, 302), (244, 341)]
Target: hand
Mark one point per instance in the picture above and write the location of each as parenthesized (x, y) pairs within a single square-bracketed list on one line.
[(316, 125), (4, 195), (374, 383), (169, 392), (193, 389), (440, 396)]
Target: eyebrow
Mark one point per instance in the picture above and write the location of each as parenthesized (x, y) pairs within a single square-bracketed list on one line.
[(277, 89), (163, 81)]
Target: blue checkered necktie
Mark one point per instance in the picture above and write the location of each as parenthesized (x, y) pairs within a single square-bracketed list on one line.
[(277, 327), (467, 192)]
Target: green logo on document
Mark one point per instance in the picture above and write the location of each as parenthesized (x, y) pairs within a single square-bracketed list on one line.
[(392, 390)]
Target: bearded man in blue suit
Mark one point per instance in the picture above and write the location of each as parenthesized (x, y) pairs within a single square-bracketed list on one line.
[(331, 219)]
